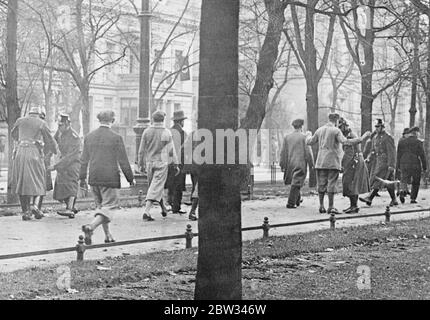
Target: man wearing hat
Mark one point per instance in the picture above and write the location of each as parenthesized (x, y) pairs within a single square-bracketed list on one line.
[(295, 158), (176, 183), (411, 160), (328, 164), (66, 183), (384, 151), (103, 154), (29, 172), (155, 153)]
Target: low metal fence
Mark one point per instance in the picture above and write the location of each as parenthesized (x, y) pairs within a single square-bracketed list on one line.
[(81, 248)]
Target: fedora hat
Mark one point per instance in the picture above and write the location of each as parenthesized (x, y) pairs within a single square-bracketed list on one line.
[(179, 115), (64, 118)]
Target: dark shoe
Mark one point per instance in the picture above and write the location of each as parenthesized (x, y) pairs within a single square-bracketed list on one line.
[(164, 213), (88, 233), (352, 210), (333, 210), (66, 213), (322, 210), (394, 203), (26, 216), (179, 212), (299, 201), (366, 200), (109, 240), (347, 209), (75, 211), (146, 217), (291, 206), (37, 213), (413, 201), (402, 198), (192, 217)]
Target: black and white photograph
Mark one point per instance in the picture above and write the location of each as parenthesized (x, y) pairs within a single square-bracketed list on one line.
[(212, 157)]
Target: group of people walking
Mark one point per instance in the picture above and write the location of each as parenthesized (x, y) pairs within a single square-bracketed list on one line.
[(99, 159), (364, 174)]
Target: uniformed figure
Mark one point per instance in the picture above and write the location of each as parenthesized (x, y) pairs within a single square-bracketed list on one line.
[(191, 167), (355, 178), (328, 163), (29, 172), (384, 151), (295, 158), (68, 166), (176, 183), (405, 134), (411, 161), (48, 151)]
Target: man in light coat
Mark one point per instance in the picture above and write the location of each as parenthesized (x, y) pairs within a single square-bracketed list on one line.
[(328, 164), (295, 158)]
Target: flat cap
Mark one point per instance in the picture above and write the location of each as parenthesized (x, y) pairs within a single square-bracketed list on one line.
[(379, 123), (333, 116), (405, 131), (64, 118), (158, 116), (298, 123), (414, 129), (106, 116)]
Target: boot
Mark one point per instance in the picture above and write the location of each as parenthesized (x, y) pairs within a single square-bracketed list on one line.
[(353, 208), (163, 208), (34, 208), (331, 208), (368, 200), (321, 199), (194, 204), (147, 215), (68, 212), (393, 197), (293, 196)]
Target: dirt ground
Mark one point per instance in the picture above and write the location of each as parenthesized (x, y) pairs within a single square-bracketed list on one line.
[(317, 265)]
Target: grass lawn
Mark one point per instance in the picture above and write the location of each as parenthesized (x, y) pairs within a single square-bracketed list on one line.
[(316, 265)]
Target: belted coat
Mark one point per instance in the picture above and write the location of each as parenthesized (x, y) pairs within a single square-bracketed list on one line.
[(384, 151)]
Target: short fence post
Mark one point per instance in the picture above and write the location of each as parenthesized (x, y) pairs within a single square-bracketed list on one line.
[(188, 237), (387, 214), (266, 227), (332, 221), (80, 249), (140, 198)]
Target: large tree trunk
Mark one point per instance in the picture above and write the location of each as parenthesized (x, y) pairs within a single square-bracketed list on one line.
[(85, 98), (219, 274), (13, 110), (366, 103), (312, 120)]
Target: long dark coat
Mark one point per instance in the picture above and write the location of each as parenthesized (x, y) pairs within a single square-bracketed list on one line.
[(384, 151), (178, 181), (104, 153), (66, 182), (295, 157), (355, 178), (28, 170), (410, 155)]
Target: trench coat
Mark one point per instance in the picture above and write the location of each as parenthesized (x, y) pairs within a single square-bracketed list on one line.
[(68, 167), (295, 158), (410, 155), (384, 152), (28, 168), (355, 178), (177, 181)]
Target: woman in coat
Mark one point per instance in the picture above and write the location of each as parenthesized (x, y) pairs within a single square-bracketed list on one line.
[(355, 178)]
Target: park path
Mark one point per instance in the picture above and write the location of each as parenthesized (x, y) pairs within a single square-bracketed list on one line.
[(55, 231)]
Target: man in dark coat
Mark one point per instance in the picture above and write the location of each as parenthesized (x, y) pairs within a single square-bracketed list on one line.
[(176, 183), (295, 158), (383, 149), (104, 153), (29, 172), (355, 178), (67, 180), (411, 160)]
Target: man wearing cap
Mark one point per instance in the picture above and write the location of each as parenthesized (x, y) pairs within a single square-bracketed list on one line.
[(384, 150), (176, 183), (328, 163), (411, 160), (155, 153), (295, 158), (29, 172), (103, 154), (67, 180)]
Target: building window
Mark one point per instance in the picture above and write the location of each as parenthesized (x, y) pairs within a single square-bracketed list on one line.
[(128, 111), (160, 66)]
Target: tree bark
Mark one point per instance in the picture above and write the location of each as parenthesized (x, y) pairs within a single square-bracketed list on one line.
[(13, 109), (219, 274)]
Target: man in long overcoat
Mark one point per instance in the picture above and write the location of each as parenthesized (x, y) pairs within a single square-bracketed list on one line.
[(67, 180), (355, 178), (328, 163), (384, 150), (295, 158), (155, 152), (411, 160), (29, 172), (176, 183), (103, 155)]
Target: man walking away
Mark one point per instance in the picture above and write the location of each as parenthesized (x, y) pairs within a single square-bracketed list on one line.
[(66, 183), (411, 160), (155, 150), (103, 151), (385, 152), (328, 163), (176, 183), (294, 160), (29, 172)]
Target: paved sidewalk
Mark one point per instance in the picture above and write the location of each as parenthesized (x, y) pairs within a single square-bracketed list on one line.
[(55, 232)]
